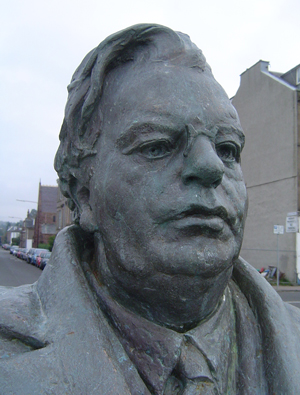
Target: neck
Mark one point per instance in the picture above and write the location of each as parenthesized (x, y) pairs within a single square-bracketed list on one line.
[(178, 302)]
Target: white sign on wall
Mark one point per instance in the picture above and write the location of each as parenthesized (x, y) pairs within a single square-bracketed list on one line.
[(278, 229), (291, 224)]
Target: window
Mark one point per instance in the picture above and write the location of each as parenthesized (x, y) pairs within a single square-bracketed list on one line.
[(53, 218)]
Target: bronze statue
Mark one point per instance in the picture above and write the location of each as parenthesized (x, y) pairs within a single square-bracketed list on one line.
[(146, 294)]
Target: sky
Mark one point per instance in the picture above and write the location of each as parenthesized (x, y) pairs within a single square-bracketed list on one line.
[(43, 42)]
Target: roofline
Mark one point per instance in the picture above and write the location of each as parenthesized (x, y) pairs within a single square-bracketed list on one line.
[(296, 67), (265, 70), (260, 61), (280, 80)]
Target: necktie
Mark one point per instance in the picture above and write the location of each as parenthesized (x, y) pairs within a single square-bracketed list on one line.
[(192, 375)]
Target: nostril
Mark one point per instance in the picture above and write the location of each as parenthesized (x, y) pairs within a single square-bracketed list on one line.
[(207, 180), (190, 179), (216, 183)]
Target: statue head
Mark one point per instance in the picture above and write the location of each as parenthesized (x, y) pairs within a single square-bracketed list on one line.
[(150, 159)]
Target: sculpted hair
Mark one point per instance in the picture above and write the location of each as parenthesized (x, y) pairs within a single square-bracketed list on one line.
[(83, 122)]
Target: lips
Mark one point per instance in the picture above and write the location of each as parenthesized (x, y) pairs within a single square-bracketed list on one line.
[(197, 220), (213, 223), (202, 212)]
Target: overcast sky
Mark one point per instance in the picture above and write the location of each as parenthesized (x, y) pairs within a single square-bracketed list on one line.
[(42, 43)]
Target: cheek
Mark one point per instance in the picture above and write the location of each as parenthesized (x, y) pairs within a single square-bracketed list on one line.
[(242, 194), (241, 197), (235, 183), (118, 188), (236, 192)]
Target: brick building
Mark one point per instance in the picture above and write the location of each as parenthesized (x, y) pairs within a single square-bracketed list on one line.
[(45, 222)]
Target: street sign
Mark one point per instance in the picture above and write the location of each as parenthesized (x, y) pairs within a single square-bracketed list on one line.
[(292, 224), (278, 229)]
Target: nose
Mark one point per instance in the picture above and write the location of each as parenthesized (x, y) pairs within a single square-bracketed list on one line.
[(202, 164)]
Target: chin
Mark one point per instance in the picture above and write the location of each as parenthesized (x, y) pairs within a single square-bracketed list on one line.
[(207, 259)]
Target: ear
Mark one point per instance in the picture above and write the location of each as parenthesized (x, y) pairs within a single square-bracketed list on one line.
[(87, 220)]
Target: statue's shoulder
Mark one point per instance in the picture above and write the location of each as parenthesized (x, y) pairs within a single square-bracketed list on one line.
[(50, 328), (21, 318), (279, 326), (261, 296), (22, 309)]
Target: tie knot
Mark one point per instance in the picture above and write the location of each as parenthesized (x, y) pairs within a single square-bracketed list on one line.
[(192, 375), (193, 364)]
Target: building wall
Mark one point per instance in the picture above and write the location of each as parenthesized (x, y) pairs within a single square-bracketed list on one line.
[(268, 206), (12, 235), (298, 146), (266, 107), (28, 230), (46, 214), (42, 219), (26, 237)]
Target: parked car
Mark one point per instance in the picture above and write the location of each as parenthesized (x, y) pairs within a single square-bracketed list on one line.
[(36, 253), (12, 249), (16, 251), (32, 252), (6, 246), (24, 254), (29, 254), (45, 260), (19, 252), (39, 258)]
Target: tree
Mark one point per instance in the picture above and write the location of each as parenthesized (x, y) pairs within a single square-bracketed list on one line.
[(48, 246), (15, 241), (44, 246), (51, 242)]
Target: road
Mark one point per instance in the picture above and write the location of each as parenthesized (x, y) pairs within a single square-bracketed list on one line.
[(15, 272), (292, 297)]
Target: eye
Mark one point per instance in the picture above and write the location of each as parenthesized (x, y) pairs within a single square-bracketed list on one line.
[(228, 152), (155, 150)]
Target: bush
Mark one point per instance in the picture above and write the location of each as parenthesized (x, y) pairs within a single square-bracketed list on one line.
[(48, 246), (43, 245), (51, 242), (15, 241)]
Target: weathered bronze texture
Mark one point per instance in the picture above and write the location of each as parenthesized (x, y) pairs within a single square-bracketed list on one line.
[(146, 294)]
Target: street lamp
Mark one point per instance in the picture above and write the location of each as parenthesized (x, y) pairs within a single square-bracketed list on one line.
[(29, 201)]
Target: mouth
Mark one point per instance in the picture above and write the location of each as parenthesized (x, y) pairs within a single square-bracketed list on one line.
[(198, 220)]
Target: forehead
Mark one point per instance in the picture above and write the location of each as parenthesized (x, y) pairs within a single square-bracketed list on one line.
[(167, 95)]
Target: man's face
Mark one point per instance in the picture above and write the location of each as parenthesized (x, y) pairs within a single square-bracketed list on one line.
[(167, 192)]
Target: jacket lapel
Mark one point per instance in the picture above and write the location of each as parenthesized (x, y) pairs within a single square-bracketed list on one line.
[(279, 325)]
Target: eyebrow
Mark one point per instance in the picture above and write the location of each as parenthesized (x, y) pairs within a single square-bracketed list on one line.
[(227, 129), (138, 129)]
